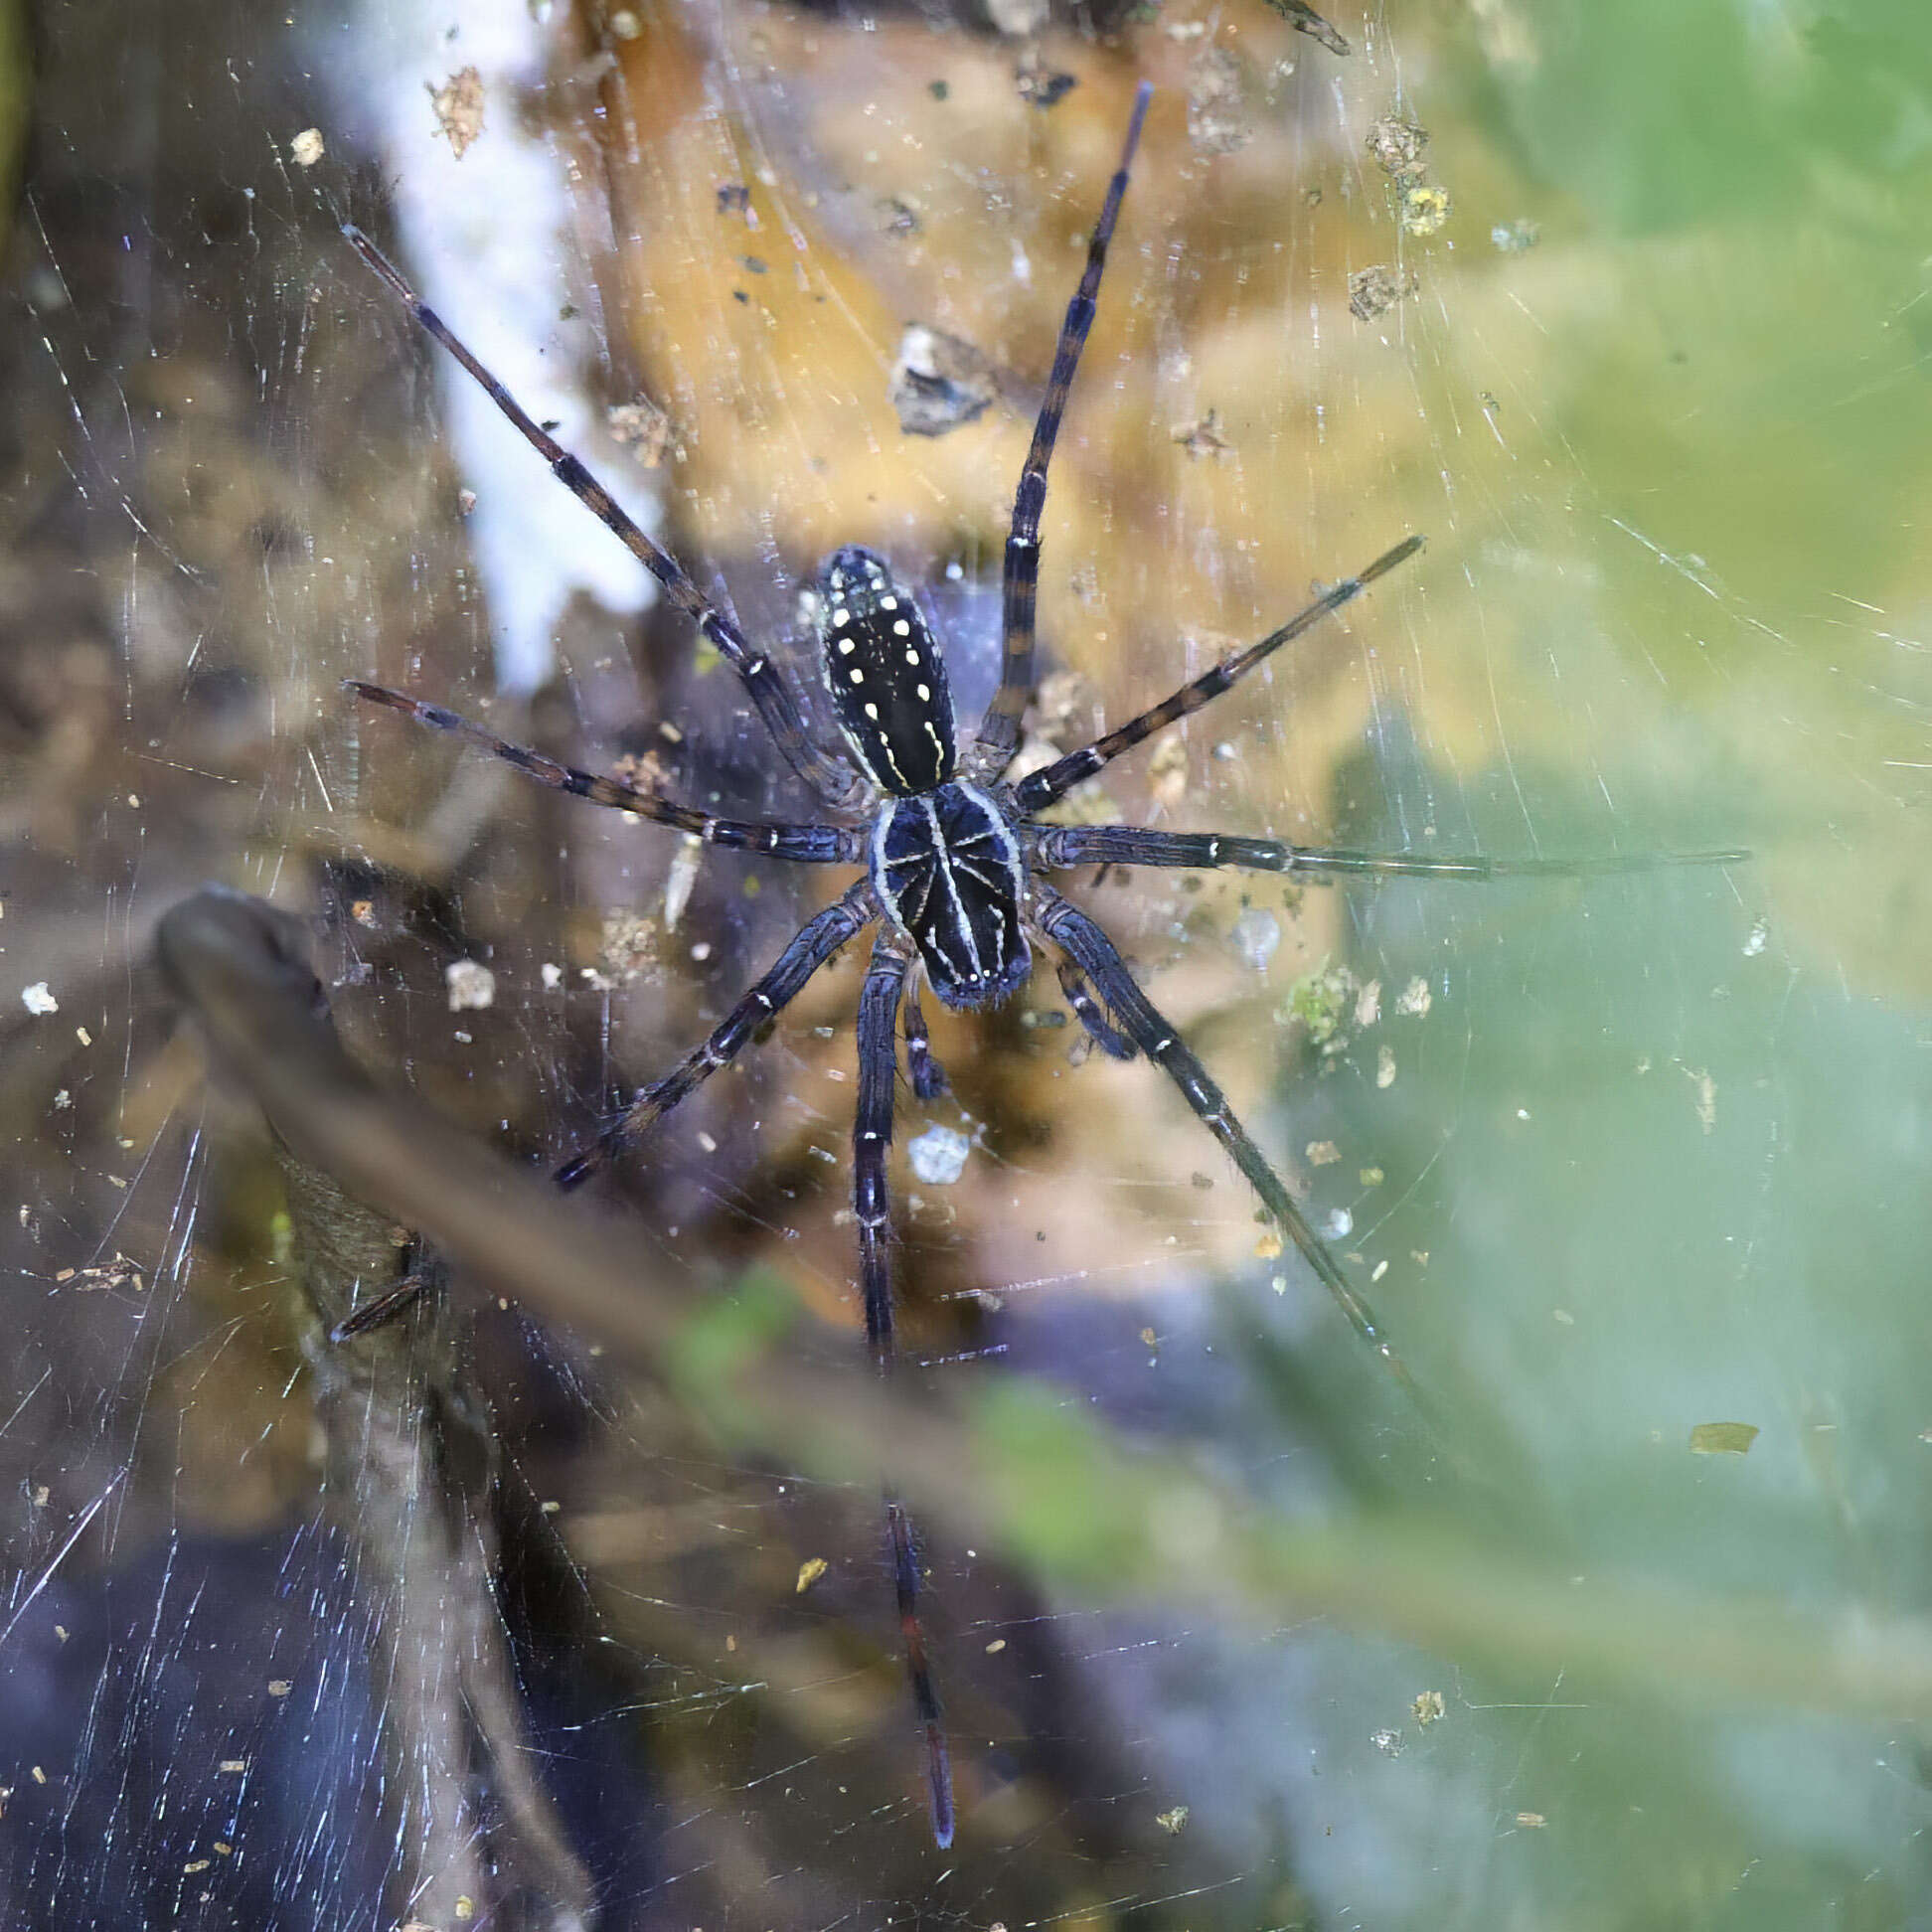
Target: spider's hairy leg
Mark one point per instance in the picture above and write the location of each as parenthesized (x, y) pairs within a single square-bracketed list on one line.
[(1060, 847), (830, 845), (872, 1141), (1051, 781), (1090, 1014), (928, 1077), (999, 731), (1070, 931), (925, 1698), (813, 944), (764, 684), (872, 1135)]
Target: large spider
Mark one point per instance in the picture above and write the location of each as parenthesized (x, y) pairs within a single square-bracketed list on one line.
[(953, 853)]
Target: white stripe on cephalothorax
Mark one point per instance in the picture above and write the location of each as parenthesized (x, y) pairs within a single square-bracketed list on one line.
[(1001, 834), (991, 883), (943, 859)]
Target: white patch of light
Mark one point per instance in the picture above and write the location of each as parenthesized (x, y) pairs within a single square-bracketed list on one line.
[(485, 238), (939, 1156)]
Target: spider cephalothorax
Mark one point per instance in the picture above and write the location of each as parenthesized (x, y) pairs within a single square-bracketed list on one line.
[(953, 857)]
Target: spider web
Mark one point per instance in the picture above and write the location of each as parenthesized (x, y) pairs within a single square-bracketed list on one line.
[(1632, 1167)]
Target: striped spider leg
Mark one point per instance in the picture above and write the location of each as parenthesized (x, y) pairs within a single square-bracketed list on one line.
[(833, 780)]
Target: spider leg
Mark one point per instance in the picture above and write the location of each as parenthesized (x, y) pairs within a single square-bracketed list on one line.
[(817, 844), (926, 1698), (871, 1136), (928, 1077), (999, 731), (1134, 845), (1091, 1014), (811, 946), (1051, 781), (1071, 932), (872, 1141), (764, 684)]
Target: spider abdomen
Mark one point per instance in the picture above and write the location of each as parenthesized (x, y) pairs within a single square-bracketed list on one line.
[(949, 874), (884, 675)]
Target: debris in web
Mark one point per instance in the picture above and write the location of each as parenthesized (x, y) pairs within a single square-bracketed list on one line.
[(1374, 290), (1426, 208), (1256, 936), (470, 985), (1305, 20), (1203, 436), (1039, 85), (458, 107), (643, 426), (1217, 118), (938, 382), (628, 947), (1329, 1007), (939, 1156), (1722, 1438), (1397, 146)]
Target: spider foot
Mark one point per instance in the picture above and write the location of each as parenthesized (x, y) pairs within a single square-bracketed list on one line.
[(1099, 1028), (928, 1077), (580, 1168)]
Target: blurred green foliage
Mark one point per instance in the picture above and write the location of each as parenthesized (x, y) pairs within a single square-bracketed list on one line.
[(1663, 117)]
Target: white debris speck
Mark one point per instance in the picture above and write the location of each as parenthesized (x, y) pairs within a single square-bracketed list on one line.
[(1256, 934), (1759, 937), (1386, 1067), (939, 1156), (1369, 1004), (305, 150), (1339, 1225), (470, 986), (553, 978), (38, 999), (1415, 999), (683, 876)]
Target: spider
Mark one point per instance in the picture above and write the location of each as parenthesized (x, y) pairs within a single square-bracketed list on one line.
[(952, 853)]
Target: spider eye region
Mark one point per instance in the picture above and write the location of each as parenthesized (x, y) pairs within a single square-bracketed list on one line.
[(947, 869), (883, 673)]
